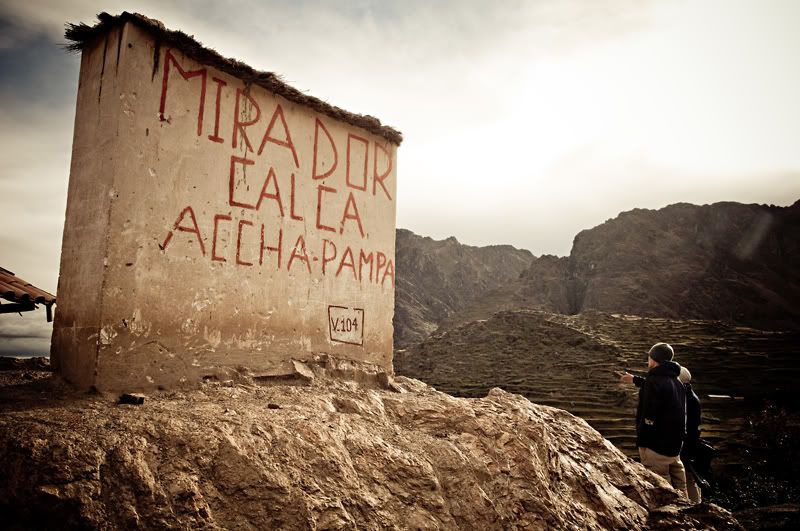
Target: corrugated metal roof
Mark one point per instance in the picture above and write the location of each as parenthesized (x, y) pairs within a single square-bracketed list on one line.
[(15, 289)]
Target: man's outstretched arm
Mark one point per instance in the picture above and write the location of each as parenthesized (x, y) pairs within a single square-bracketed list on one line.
[(628, 378)]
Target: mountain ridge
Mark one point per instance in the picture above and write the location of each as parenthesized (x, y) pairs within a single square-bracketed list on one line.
[(731, 261)]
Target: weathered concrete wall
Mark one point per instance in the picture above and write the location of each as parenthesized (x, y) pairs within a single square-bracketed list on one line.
[(214, 224)]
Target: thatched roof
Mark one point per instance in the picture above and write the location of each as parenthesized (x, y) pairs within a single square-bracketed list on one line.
[(81, 36)]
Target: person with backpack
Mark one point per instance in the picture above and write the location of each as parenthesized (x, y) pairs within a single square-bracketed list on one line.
[(661, 416), (690, 452)]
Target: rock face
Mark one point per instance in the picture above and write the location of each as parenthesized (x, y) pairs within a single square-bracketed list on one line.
[(331, 454), (729, 261), (547, 284), (438, 278)]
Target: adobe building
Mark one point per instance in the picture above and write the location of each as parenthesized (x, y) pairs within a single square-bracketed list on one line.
[(216, 218)]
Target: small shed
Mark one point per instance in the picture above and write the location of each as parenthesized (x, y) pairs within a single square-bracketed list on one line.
[(217, 219)]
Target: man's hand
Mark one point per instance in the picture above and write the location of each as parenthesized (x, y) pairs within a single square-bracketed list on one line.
[(626, 378)]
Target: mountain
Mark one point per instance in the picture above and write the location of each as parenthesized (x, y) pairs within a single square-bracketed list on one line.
[(726, 261), (438, 278), (729, 261)]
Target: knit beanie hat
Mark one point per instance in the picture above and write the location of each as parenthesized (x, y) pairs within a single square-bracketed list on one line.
[(661, 352)]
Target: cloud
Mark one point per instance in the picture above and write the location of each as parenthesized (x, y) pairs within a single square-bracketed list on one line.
[(26, 334), (35, 157), (524, 121), (28, 70)]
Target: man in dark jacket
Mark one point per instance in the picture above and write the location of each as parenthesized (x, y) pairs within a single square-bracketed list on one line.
[(661, 416)]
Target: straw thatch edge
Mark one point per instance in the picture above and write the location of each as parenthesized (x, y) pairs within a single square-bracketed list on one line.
[(81, 36)]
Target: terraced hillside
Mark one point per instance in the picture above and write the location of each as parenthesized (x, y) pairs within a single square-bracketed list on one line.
[(534, 354), (573, 362)]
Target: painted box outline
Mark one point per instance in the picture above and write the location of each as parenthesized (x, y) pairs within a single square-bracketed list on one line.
[(330, 331)]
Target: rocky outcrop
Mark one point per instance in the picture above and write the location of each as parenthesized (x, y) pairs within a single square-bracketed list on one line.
[(330, 454), (438, 278)]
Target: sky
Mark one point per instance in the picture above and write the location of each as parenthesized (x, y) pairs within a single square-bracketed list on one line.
[(529, 121)]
